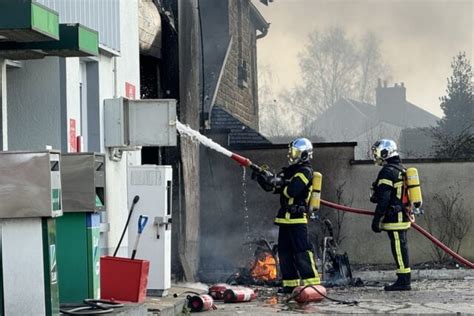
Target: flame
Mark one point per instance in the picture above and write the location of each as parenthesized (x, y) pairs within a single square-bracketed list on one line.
[(264, 268)]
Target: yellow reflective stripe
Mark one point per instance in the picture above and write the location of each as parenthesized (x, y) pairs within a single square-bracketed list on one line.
[(288, 220), (309, 194), (385, 181), (396, 226), (399, 186), (290, 199), (405, 270), (312, 281), (295, 282), (287, 215), (400, 217), (398, 251), (315, 280), (302, 177)]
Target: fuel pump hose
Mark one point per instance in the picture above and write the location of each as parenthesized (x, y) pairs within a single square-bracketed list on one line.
[(421, 230)]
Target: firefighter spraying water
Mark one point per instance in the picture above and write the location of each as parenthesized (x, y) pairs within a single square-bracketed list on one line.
[(294, 185)]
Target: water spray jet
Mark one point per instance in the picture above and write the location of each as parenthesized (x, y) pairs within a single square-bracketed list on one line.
[(185, 130)]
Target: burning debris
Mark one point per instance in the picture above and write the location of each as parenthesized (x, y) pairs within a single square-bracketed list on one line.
[(262, 271), (262, 268)]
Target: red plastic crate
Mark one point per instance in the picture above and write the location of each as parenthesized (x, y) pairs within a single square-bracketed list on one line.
[(123, 279)]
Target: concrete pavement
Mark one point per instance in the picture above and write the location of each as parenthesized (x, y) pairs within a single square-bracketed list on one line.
[(441, 291), (427, 297)]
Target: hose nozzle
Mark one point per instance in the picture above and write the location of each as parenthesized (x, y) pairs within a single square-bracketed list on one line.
[(241, 160)]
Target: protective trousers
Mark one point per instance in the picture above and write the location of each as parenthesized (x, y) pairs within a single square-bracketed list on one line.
[(296, 256), (399, 245)]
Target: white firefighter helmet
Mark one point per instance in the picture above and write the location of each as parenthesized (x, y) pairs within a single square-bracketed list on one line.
[(384, 149), (300, 150)]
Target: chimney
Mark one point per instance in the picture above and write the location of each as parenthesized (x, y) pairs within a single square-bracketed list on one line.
[(391, 102)]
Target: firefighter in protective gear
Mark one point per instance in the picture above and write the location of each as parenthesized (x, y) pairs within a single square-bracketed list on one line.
[(293, 184), (390, 214)]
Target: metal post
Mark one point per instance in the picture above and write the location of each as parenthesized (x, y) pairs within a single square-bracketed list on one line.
[(3, 103)]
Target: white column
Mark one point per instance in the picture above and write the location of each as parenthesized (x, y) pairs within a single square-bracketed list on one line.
[(3, 103)]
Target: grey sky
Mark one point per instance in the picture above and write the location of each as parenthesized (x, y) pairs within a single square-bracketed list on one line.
[(419, 38)]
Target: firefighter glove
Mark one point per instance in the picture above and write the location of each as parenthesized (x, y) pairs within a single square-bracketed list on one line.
[(264, 181), (254, 175), (277, 182), (376, 223)]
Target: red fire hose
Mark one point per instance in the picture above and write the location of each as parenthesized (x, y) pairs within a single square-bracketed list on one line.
[(438, 243)]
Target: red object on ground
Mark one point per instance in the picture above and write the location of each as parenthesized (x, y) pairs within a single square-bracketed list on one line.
[(312, 293), (123, 279), (420, 229), (200, 303), (239, 294), (241, 160), (217, 290)]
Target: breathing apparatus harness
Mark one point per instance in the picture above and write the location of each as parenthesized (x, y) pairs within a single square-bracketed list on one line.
[(411, 191)]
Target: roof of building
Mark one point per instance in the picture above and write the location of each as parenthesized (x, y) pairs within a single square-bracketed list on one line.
[(261, 24), (239, 134), (417, 117), (348, 118), (365, 109)]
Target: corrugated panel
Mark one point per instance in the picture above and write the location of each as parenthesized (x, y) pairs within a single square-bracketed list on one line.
[(100, 15)]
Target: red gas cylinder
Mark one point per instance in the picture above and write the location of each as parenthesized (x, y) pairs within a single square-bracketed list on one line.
[(306, 294), (239, 294), (200, 303), (217, 290)]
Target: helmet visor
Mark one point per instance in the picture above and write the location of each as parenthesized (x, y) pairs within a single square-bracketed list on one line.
[(293, 154), (376, 155)]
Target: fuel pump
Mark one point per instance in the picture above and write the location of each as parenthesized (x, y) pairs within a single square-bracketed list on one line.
[(30, 202)]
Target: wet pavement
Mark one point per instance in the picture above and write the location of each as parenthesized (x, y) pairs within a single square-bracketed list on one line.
[(426, 297)]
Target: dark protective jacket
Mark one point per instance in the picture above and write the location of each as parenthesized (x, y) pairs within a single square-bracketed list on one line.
[(388, 190), (294, 194)]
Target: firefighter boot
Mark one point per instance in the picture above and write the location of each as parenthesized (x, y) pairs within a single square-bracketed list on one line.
[(402, 283)]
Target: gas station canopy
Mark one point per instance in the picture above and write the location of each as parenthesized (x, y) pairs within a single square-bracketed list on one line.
[(31, 30), (27, 21)]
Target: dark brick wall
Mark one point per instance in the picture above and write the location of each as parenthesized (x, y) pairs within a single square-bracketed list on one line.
[(239, 100)]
